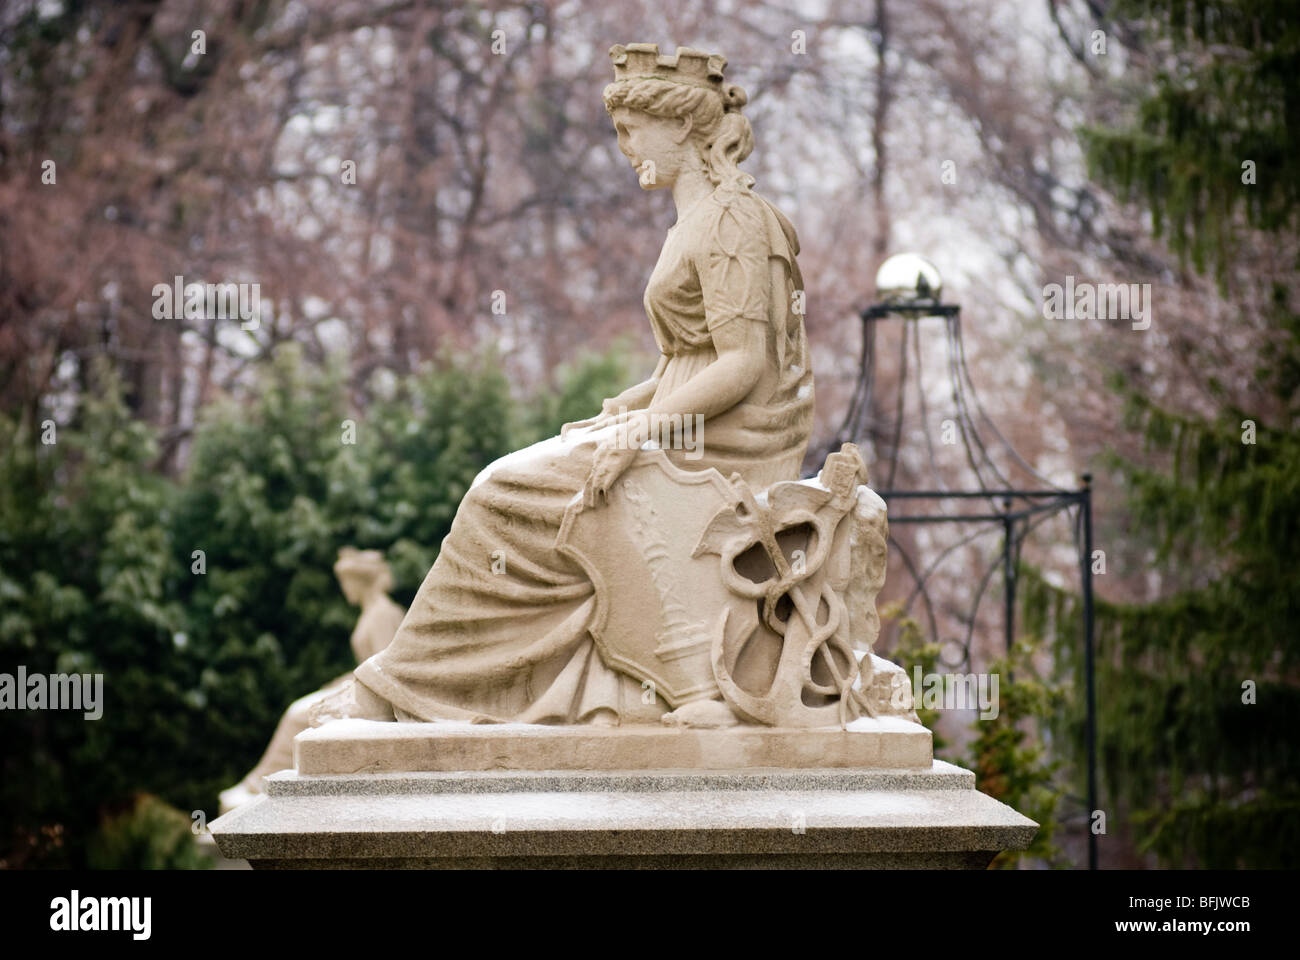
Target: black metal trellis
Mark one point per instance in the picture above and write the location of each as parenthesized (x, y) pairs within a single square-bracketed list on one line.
[(1014, 509)]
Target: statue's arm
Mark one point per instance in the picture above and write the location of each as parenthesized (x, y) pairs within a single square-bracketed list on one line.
[(742, 354), (732, 264), (741, 345)]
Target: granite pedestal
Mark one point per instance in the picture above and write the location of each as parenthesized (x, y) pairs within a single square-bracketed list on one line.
[(375, 795)]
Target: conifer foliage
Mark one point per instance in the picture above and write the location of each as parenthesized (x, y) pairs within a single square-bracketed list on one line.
[(209, 603), (1197, 689)]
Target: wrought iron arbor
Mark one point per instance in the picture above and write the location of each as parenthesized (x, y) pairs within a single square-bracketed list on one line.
[(986, 498)]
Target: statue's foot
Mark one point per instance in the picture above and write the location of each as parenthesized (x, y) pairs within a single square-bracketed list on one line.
[(702, 714), (353, 701)]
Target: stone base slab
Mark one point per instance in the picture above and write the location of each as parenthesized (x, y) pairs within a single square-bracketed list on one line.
[(815, 818), (364, 746)]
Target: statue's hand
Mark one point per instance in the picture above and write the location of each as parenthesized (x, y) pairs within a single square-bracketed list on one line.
[(580, 424), (614, 410), (612, 457), (602, 419)]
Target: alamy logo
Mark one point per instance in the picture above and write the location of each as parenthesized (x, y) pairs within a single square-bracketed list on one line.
[(1098, 301), (208, 301), (75, 912), (57, 691), (951, 691)]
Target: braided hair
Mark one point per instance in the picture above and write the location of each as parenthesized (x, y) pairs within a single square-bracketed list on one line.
[(721, 133)]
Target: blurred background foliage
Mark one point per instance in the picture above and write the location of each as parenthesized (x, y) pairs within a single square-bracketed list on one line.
[(97, 554)]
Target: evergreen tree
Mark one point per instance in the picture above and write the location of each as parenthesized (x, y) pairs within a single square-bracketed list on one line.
[(1212, 142), (1197, 691), (210, 604), (85, 581)]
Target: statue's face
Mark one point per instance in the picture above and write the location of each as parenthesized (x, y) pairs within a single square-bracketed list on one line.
[(656, 146), (354, 587)]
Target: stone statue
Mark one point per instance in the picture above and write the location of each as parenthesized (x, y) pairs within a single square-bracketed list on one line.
[(366, 580), (661, 562), (651, 605)]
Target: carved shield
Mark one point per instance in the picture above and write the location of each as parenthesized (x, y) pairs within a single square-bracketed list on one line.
[(788, 661), (652, 594)]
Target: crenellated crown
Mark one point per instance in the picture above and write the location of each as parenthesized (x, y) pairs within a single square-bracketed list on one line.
[(698, 68)]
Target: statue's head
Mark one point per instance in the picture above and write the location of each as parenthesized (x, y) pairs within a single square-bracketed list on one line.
[(675, 113), (362, 571)]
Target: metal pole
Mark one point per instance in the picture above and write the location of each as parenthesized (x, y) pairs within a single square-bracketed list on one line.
[(976, 494), (1008, 580), (1085, 572)]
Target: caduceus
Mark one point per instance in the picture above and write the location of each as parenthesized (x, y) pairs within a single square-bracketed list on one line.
[(805, 635)]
